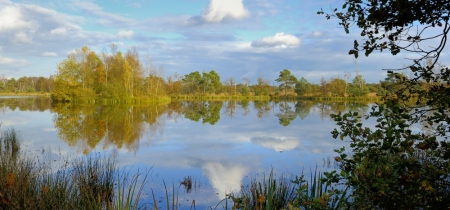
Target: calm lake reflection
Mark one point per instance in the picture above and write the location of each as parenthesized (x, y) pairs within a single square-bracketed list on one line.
[(220, 144)]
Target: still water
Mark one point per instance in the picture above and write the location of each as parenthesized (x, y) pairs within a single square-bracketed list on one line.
[(221, 145)]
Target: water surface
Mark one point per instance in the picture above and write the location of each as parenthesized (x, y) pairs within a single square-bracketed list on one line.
[(220, 144)]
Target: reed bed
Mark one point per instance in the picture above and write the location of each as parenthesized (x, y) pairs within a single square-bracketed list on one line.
[(268, 192), (91, 182)]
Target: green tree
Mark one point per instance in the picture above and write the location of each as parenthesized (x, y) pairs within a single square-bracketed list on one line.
[(358, 86), (212, 82), (191, 82), (287, 80), (394, 165), (67, 80), (302, 87)]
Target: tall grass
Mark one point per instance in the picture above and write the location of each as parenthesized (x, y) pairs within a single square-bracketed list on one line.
[(319, 194), (129, 190), (269, 192), (289, 193), (83, 183)]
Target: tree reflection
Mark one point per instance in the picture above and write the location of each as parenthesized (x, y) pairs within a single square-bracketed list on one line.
[(303, 108), (244, 106), (286, 114), (209, 112), (25, 104), (88, 126), (262, 108), (230, 109), (121, 126)]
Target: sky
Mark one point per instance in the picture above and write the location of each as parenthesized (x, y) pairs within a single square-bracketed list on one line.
[(236, 38)]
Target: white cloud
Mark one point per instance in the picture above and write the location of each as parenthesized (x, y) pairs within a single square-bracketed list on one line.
[(22, 37), (280, 40), (12, 19), (125, 34), (4, 60), (49, 54), (219, 10), (59, 31)]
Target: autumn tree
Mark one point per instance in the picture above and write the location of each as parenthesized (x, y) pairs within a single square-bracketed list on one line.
[(230, 85), (84, 75), (262, 87), (337, 86), (174, 84), (67, 80)]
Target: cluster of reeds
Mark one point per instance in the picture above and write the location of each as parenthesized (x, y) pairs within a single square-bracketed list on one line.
[(266, 193), (288, 193), (92, 182), (317, 193)]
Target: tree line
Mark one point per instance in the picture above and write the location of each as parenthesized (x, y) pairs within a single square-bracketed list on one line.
[(26, 85), (85, 74)]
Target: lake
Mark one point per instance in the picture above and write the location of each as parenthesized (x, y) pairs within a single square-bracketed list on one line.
[(221, 145)]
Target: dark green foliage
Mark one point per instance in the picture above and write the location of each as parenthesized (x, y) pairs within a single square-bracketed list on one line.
[(303, 87), (318, 193), (392, 165), (358, 87), (287, 80), (404, 161)]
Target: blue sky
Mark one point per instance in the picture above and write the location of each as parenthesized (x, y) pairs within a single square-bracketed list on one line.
[(237, 38)]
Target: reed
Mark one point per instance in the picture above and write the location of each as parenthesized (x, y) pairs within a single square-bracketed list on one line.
[(318, 193), (269, 192), (129, 190)]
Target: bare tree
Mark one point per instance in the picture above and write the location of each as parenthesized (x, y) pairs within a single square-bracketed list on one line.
[(347, 76)]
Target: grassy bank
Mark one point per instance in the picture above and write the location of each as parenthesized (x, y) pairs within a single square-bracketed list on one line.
[(135, 100), (24, 94), (219, 97), (339, 98)]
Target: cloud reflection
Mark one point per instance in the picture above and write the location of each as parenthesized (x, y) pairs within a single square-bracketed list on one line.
[(279, 144), (224, 177)]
